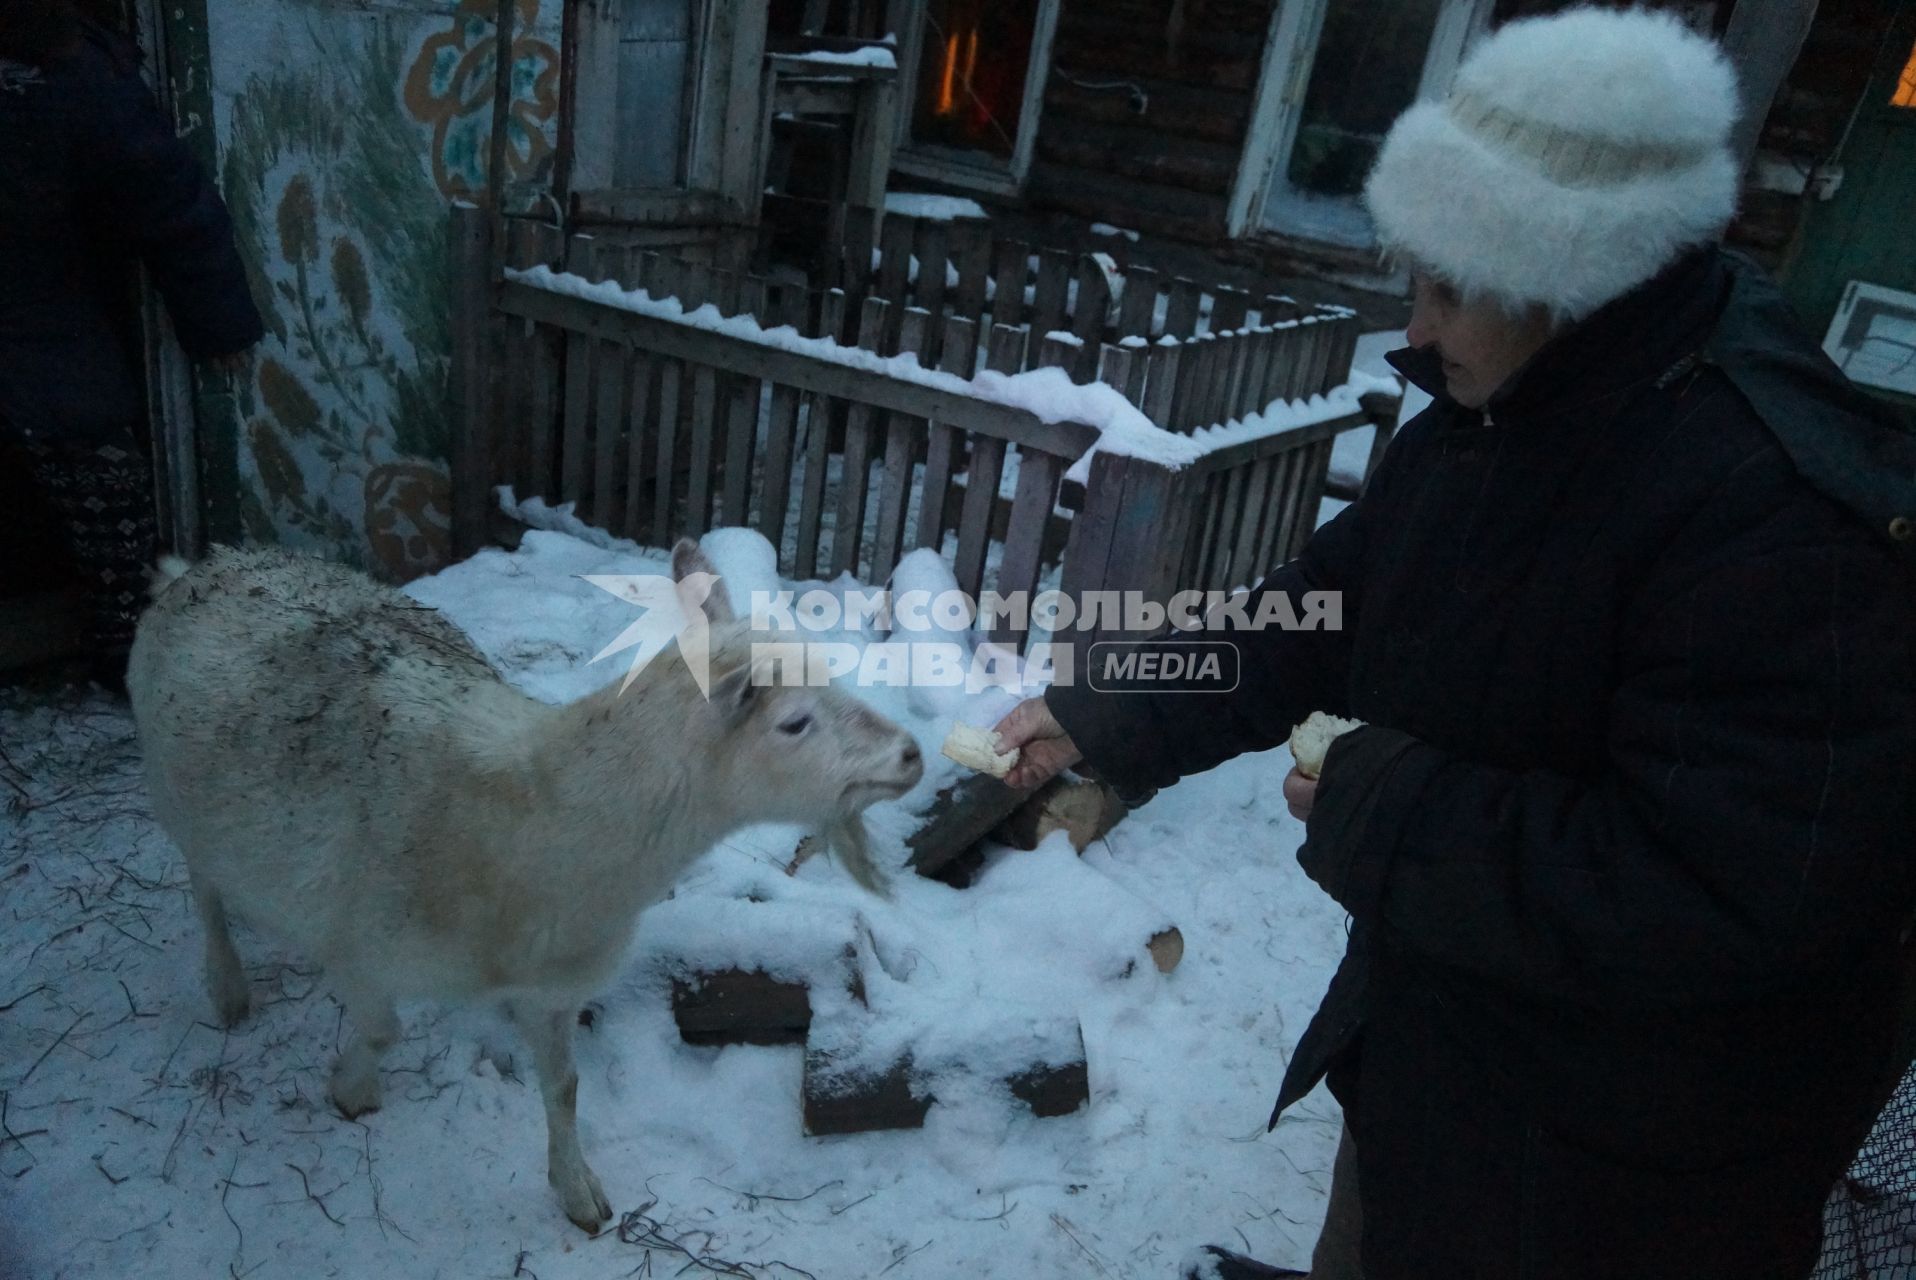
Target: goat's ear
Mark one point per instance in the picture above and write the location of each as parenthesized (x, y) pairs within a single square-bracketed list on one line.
[(735, 695), (698, 582)]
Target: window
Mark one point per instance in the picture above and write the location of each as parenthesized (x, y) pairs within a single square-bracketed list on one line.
[(1905, 92), (971, 75)]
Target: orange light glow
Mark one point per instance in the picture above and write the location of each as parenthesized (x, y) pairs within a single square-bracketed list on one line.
[(1905, 95), (946, 100), (971, 59)]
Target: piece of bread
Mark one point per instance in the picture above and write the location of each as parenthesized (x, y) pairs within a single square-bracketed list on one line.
[(977, 749), (1311, 740)]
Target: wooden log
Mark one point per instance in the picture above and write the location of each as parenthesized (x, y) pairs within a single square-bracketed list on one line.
[(960, 816), (837, 1101), (1085, 811), (738, 1006)]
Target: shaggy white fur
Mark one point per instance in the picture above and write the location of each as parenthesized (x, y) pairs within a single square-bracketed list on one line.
[(1577, 156)]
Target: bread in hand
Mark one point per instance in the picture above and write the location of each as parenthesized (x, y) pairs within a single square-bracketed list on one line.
[(977, 749), (1311, 740)]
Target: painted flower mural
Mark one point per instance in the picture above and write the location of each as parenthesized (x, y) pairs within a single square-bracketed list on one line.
[(450, 87), (338, 167)]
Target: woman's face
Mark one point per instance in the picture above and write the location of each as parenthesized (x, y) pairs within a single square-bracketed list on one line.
[(1481, 344)]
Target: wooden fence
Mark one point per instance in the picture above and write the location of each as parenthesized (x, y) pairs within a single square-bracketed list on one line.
[(657, 427)]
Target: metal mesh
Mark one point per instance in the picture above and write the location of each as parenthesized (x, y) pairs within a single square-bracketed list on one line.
[(1869, 1225)]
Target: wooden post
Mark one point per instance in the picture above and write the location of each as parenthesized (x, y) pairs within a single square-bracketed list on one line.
[(471, 314), (1762, 41)]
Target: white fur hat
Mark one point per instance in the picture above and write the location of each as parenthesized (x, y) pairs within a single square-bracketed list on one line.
[(1578, 155)]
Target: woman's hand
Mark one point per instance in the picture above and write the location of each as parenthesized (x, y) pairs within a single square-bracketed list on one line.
[(1300, 793), (1045, 749)]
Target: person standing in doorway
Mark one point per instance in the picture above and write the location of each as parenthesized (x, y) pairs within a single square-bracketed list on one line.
[(93, 180)]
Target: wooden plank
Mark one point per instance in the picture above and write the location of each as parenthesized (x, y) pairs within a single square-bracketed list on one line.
[(581, 260), (674, 339), (1161, 383), (1233, 369), (894, 261), (854, 476), (471, 404), (1007, 354), (1053, 293), (902, 437), (701, 451), (647, 207), (941, 442), (1257, 373), (781, 435), (1010, 265), (589, 142), (819, 411), (609, 419), (1138, 308), (854, 274), (971, 254), (933, 246), (1245, 561), (1094, 301), (1272, 547), (741, 443), (1248, 451), (1181, 312), (1317, 470), (643, 371), (1229, 312), (1123, 368), (1038, 475), (671, 376)]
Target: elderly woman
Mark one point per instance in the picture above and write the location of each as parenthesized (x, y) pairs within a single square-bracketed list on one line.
[(1629, 617)]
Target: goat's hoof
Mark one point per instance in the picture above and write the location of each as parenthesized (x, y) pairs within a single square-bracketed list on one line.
[(583, 1198), (355, 1099), (232, 1007)]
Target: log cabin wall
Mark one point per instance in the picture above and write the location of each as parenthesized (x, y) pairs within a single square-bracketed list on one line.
[(1166, 169)]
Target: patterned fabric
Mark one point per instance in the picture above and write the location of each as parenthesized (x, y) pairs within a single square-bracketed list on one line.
[(103, 493)]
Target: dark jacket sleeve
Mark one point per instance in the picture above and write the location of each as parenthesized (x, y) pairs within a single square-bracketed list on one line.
[(1752, 826), (1140, 741), (150, 191)]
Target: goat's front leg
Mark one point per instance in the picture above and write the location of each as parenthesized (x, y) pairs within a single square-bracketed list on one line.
[(549, 1031), (355, 1085)]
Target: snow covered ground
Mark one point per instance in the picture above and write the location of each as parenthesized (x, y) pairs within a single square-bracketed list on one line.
[(140, 1140)]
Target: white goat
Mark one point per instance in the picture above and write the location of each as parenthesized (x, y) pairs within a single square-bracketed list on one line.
[(341, 768)]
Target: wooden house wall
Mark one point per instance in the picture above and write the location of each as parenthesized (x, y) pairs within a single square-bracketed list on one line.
[(1167, 171)]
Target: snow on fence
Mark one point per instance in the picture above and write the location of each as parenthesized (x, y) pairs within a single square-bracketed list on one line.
[(664, 399)]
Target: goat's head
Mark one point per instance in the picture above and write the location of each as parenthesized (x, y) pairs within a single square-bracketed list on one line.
[(797, 753)]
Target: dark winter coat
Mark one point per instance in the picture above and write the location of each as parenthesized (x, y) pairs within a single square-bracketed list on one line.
[(92, 178), (1627, 846)]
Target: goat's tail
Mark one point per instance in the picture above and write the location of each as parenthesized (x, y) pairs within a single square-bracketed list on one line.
[(168, 571)]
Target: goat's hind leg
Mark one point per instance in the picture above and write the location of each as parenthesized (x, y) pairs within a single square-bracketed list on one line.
[(355, 1085), (225, 979), (549, 1032)]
